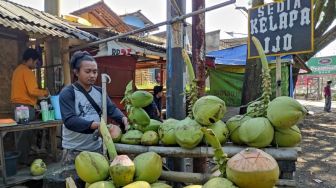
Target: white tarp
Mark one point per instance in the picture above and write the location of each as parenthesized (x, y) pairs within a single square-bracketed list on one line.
[(115, 48)]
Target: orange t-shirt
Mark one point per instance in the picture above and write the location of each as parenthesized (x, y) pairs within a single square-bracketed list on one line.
[(24, 86)]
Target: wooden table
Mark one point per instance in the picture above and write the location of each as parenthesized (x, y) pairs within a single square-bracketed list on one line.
[(35, 125)]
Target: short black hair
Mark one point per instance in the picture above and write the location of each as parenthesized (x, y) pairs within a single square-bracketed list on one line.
[(329, 82), (157, 89), (30, 53), (78, 57)]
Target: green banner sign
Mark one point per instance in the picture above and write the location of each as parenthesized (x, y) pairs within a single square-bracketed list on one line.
[(322, 65), (228, 86)]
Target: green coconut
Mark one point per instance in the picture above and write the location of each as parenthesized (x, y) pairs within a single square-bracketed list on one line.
[(153, 125), (233, 125), (139, 127), (221, 131), (139, 116), (141, 99), (256, 132), (87, 162), (188, 133), (122, 170), (219, 182), (150, 138), (38, 167), (148, 167), (255, 109), (287, 137), (160, 185), (132, 137), (252, 168), (208, 110), (285, 112), (138, 184), (115, 133), (167, 132), (102, 184)]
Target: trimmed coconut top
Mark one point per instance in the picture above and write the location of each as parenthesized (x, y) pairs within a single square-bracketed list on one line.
[(123, 160), (252, 160)]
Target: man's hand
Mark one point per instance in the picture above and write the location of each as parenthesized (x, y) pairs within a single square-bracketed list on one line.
[(95, 125), (125, 122)]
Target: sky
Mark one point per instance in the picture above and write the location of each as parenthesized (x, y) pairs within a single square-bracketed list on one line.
[(226, 19)]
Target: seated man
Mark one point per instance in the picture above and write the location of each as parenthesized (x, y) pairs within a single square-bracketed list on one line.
[(152, 111)]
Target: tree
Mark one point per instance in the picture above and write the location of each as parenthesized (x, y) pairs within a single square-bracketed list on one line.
[(325, 33)]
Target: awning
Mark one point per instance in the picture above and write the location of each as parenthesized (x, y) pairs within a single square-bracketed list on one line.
[(116, 48), (237, 56)]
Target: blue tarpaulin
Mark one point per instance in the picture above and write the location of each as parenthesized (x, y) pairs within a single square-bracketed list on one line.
[(237, 56)]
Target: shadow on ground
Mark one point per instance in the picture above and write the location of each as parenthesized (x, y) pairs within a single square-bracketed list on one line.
[(316, 165)]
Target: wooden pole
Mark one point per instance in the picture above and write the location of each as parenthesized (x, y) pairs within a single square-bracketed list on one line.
[(65, 62), (278, 76), (178, 152), (52, 48), (198, 59), (185, 177), (252, 78), (201, 178)]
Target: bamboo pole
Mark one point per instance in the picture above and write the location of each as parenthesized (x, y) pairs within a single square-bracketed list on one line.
[(185, 177), (201, 178), (167, 22), (287, 154)]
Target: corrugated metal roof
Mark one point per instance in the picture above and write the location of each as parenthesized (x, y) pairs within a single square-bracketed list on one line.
[(16, 16)]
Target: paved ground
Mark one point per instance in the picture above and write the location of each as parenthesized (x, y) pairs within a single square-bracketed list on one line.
[(316, 165)]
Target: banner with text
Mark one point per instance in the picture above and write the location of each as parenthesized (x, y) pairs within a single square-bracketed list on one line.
[(283, 28), (322, 65)]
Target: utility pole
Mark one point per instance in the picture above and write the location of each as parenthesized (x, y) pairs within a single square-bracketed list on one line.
[(175, 71), (198, 59), (175, 64)]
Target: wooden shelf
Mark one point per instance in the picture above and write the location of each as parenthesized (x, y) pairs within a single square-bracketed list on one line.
[(23, 175)]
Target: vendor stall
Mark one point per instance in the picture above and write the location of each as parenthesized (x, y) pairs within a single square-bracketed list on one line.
[(22, 27), (50, 126)]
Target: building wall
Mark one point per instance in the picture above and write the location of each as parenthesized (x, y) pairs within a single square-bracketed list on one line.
[(8, 62), (12, 45)]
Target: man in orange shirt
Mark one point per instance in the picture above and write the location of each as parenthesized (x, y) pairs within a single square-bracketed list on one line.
[(24, 85), (26, 92)]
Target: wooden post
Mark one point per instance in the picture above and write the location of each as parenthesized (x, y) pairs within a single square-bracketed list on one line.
[(278, 76), (161, 73), (252, 78), (65, 62), (52, 48), (318, 89), (198, 59)]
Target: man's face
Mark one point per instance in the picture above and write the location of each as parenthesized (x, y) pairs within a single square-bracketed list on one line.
[(160, 94), (88, 72), (31, 63)]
